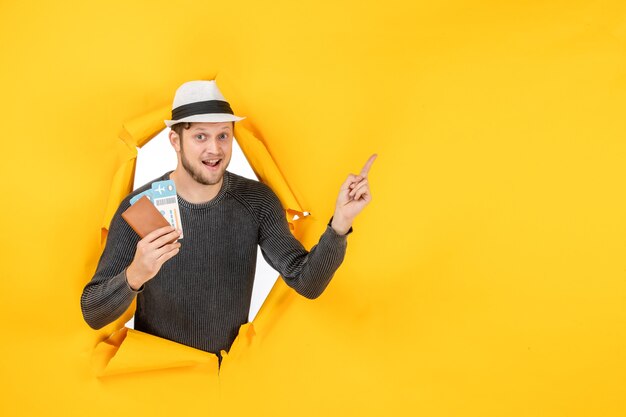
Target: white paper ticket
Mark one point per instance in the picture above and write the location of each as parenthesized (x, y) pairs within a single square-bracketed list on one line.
[(165, 200)]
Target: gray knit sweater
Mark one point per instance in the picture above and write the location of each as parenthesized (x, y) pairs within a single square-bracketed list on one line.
[(202, 295)]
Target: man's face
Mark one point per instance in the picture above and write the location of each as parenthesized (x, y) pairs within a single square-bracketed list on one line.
[(205, 151)]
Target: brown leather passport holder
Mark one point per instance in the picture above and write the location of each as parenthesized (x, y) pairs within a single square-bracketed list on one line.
[(143, 217)]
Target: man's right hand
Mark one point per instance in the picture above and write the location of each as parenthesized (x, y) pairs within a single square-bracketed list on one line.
[(152, 252)]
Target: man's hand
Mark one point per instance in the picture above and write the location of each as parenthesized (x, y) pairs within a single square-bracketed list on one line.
[(354, 195), (152, 251)]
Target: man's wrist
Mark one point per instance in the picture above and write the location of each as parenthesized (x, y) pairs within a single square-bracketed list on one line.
[(130, 280), (340, 225)]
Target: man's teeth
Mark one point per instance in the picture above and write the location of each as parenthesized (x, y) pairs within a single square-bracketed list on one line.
[(212, 162)]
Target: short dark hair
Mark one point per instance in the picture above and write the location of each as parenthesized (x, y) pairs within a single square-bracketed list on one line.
[(178, 128)]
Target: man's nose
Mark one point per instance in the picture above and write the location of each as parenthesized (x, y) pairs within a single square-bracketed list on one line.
[(212, 146)]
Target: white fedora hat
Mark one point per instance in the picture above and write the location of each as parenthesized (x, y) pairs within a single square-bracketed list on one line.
[(200, 101)]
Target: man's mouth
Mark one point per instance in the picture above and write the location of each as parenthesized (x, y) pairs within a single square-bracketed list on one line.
[(212, 163)]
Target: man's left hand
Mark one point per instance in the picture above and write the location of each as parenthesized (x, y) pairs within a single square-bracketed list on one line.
[(354, 195)]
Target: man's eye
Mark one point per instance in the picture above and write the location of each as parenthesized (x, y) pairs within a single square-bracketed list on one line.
[(199, 137), (223, 136)]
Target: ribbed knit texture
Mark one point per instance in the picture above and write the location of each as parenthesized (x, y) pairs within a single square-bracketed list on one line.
[(202, 295)]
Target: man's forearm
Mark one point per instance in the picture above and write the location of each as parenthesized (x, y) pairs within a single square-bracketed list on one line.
[(104, 301), (316, 270)]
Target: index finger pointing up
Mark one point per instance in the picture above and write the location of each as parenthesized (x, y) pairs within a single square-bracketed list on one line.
[(368, 165)]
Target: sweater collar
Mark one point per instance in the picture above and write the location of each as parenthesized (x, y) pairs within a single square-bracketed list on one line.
[(207, 204)]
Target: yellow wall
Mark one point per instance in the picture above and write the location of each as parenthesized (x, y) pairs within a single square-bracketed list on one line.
[(486, 278)]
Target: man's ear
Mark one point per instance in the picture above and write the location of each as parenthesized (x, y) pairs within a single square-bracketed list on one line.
[(174, 140)]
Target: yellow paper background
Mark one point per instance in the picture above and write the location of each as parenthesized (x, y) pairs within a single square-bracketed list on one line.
[(486, 278)]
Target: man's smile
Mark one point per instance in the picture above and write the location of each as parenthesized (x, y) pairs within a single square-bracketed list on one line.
[(212, 164)]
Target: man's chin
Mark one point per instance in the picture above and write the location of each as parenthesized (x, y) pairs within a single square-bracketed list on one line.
[(203, 175), (210, 179)]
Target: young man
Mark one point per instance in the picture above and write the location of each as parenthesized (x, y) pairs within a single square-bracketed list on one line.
[(197, 290)]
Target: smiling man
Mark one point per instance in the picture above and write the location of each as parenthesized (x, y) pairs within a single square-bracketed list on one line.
[(197, 290)]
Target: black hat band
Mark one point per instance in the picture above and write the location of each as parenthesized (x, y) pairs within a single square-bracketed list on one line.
[(201, 107)]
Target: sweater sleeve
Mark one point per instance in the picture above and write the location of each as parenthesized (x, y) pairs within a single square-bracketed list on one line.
[(108, 295), (309, 273)]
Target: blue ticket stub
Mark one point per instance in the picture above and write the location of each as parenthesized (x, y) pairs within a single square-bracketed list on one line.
[(147, 193)]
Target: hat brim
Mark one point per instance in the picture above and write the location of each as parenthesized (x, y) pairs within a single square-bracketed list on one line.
[(209, 117)]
